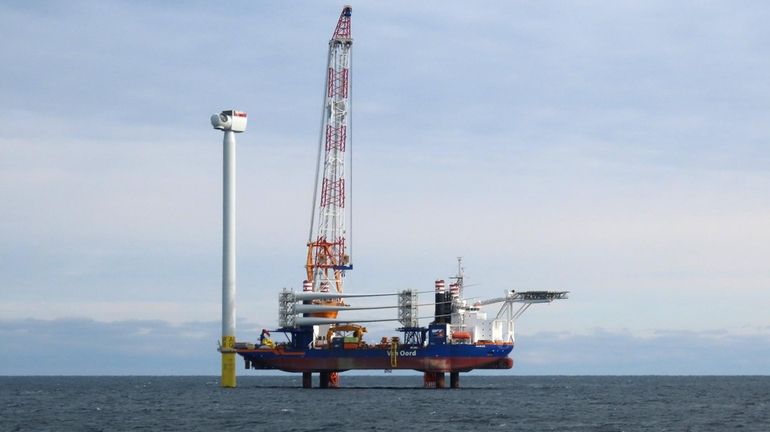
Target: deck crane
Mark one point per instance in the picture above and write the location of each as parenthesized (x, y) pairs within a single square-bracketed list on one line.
[(328, 245)]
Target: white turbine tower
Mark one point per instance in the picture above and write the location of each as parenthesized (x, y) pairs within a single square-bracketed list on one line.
[(231, 122)]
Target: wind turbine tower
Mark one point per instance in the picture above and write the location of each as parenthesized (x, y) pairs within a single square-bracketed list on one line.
[(230, 122)]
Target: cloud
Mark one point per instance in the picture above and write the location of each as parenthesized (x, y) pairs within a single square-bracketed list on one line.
[(86, 347), (658, 352), (615, 151)]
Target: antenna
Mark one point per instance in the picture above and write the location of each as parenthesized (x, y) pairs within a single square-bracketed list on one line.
[(230, 122)]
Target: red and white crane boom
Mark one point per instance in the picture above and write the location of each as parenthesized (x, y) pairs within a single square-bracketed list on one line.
[(328, 245)]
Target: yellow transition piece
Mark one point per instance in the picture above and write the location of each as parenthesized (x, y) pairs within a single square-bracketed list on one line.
[(228, 361)]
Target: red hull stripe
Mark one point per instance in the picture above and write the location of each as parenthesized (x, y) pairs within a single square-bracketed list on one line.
[(427, 364)]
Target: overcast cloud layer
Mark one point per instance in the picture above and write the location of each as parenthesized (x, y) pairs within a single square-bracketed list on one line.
[(618, 150)]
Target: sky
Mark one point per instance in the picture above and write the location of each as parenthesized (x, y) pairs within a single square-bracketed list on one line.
[(616, 150)]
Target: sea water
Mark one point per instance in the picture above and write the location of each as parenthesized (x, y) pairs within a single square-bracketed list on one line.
[(386, 403)]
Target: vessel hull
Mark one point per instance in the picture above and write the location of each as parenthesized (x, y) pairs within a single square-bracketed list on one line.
[(450, 358)]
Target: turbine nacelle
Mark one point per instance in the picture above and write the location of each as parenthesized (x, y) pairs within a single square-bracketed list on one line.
[(230, 120)]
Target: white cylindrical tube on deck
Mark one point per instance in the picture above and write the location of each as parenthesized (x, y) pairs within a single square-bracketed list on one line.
[(307, 287)]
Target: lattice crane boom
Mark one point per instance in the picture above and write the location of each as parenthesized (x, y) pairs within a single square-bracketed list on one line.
[(328, 246)]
